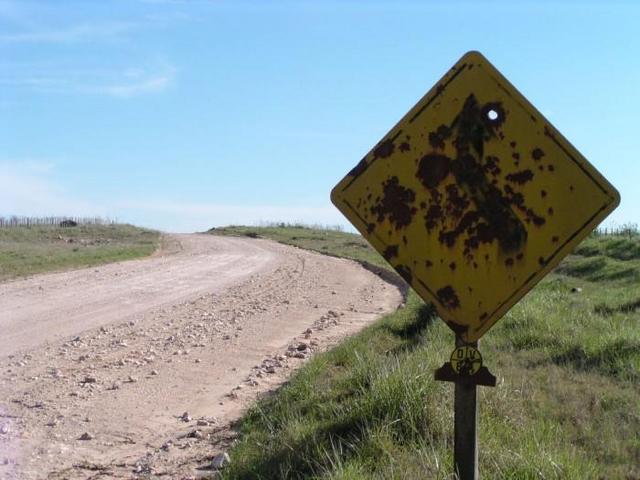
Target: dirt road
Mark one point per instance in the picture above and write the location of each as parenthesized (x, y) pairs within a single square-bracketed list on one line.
[(98, 366)]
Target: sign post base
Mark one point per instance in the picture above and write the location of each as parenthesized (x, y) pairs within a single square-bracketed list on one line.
[(465, 450)]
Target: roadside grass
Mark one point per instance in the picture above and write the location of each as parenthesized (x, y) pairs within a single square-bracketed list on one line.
[(29, 250), (326, 241), (567, 405)]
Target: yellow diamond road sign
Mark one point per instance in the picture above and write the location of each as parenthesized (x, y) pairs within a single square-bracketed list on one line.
[(473, 197)]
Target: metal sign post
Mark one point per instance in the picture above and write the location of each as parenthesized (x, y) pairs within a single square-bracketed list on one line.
[(466, 371), (465, 447)]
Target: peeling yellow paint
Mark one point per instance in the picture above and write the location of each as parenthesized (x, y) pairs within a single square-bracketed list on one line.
[(473, 197)]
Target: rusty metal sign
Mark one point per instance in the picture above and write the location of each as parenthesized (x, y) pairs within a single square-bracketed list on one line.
[(473, 197)]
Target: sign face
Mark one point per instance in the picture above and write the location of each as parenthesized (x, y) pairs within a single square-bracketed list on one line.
[(473, 197)]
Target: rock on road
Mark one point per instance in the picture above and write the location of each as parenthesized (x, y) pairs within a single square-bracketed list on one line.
[(98, 365)]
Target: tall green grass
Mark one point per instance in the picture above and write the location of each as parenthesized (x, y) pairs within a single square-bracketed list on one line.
[(566, 407)]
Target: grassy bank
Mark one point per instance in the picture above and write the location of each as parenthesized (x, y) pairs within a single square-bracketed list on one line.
[(30, 250), (567, 405)]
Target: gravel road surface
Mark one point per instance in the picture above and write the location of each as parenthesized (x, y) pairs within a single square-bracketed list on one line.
[(136, 369)]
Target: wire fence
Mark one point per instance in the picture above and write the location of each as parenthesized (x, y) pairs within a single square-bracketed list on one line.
[(624, 230), (300, 224), (16, 221)]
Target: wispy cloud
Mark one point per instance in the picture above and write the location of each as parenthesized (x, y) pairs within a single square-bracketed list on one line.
[(28, 26), (28, 188), (40, 23), (164, 2), (139, 84), (126, 82), (70, 34)]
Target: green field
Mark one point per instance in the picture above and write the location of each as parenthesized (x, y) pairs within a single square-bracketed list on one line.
[(38, 249), (567, 405)]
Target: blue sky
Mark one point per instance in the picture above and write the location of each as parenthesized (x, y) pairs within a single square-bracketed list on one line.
[(185, 114)]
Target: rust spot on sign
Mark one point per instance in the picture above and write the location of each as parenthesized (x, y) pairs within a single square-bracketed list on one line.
[(359, 168), (384, 149), (491, 166), (493, 217), (437, 138), (390, 252), (537, 153), (433, 169), (521, 177), (448, 297), (396, 204)]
